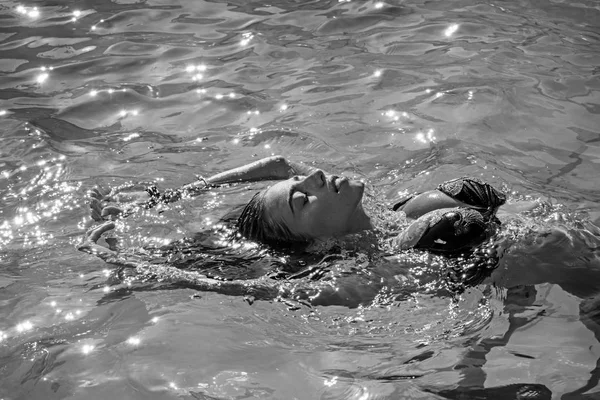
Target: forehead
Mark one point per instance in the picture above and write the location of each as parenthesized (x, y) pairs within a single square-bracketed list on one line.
[(276, 201)]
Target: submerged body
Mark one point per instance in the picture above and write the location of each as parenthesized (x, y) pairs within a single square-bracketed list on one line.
[(311, 205), (306, 206)]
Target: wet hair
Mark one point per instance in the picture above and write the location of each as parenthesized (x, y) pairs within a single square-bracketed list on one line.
[(255, 223)]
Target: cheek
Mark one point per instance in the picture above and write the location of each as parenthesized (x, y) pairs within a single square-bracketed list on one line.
[(331, 218)]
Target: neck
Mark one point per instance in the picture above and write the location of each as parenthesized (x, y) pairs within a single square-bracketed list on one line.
[(360, 221)]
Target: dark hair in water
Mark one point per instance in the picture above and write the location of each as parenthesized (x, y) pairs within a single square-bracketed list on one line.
[(256, 224)]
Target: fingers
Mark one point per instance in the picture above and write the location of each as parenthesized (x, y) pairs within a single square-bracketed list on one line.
[(94, 193), (99, 192), (95, 233), (111, 211), (96, 196), (96, 210), (99, 197), (99, 213), (89, 244)]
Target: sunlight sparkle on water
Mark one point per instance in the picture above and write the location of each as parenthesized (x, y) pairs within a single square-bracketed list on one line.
[(451, 30), (34, 13), (134, 341), (24, 326), (30, 12), (131, 136), (426, 137), (365, 395), (330, 382), (246, 37), (41, 78), (377, 73), (87, 349), (283, 107)]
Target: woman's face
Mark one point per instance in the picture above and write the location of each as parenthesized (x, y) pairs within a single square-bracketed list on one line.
[(318, 205)]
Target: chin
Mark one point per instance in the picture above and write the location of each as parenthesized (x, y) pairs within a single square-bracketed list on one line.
[(360, 188)]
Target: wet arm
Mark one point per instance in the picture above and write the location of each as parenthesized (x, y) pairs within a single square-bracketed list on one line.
[(270, 168)]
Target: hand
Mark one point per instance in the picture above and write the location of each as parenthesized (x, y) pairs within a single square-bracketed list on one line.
[(126, 196), (90, 241)]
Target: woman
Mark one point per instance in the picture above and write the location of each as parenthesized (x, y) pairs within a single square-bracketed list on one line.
[(309, 205), (458, 216)]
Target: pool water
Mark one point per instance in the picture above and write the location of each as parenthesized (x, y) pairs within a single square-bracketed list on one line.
[(401, 94)]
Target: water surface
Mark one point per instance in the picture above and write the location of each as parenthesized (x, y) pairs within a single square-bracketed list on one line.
[(401, 94)]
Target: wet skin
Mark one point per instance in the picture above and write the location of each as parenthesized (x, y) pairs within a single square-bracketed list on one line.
[(429, 201), (318, 205)]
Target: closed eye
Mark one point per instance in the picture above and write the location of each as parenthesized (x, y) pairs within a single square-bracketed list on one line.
[(299, 199)]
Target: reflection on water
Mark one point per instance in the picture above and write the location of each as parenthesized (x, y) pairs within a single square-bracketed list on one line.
[(403, 95)]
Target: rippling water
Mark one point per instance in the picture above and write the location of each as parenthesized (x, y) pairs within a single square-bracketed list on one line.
[(402, 94)]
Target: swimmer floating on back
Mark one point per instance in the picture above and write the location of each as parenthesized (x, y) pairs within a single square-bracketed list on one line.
[(308, 204)]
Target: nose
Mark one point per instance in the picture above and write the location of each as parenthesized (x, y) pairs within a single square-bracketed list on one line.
[(316, 179)]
